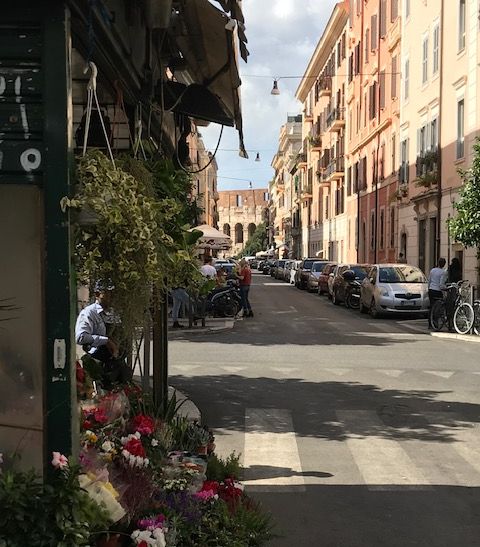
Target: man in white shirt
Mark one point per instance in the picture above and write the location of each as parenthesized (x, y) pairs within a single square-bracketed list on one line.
[(436, 282), (91, 334), (207, 269)]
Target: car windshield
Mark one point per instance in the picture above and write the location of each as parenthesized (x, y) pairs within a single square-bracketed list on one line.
[(401, 274), (281, 262), (318, 267), (307, 265), (360, 272)]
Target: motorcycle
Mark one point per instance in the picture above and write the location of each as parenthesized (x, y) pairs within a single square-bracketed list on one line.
[(221, 302), (352, 290)]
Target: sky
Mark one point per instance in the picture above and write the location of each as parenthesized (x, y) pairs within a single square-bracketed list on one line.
[(282, 36)]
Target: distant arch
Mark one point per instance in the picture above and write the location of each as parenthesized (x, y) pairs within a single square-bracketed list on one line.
[(226, 229), (251, 229), (238, 233)]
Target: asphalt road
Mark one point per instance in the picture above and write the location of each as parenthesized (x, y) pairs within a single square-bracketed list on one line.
[(353, 431)]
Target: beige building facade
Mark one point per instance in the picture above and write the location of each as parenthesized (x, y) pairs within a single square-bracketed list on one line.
[(240, 212)]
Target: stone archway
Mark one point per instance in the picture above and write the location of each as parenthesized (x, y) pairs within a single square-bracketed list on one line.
[(238, 233), (226, 229), (251, 229)]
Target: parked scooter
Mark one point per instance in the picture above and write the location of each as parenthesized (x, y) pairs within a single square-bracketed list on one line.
[(352, 290), (221, 302)]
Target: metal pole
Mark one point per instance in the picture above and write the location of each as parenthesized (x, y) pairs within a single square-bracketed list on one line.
[(160, 352)]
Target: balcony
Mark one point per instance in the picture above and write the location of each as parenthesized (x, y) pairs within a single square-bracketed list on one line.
[(302, 159), (325, 86), (427, 169), (335, 169), (315, 142), (306, 192), (336, 119)]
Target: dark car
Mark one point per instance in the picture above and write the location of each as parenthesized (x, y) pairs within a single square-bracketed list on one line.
[(261, 265), (303, 272), (273, 268), (340, 283), (280, 269), (268, 266), (323, 277)]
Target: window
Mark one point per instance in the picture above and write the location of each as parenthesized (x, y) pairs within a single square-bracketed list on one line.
[(383, 18), (365, 110), (460, 129), (373, 27), (404, 162), (436, 49), (425, 60), (392, 227), (461, 25), (373, 100), (407, 9), (382, 89), (348, 176), (266, 196), (394, 10), (394, 78), (434, 134), (239, 200), (382, 229), (406, 81), (367, 44), (394, 153), (372, 230)]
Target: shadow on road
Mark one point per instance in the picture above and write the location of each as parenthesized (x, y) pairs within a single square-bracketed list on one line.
[(402, 414)]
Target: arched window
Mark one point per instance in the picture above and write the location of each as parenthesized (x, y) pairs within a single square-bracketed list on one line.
[(226, 229), (238, 233), (251, 229)]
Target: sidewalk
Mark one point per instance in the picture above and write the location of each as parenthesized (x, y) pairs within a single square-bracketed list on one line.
[(212, 324), (421, 326)]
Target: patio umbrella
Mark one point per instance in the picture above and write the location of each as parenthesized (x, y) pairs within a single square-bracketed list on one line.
[(212, 238)]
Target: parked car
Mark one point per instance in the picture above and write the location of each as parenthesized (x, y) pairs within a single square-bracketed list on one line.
[(280, 269), (273, 268), (301, 277), (268, 266), (341, 284), (324, 276), (394, 288), (312, 281), (261, 265), (293, 271), (331, 278)]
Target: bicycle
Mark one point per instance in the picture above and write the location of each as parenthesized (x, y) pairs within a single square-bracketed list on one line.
[(463, 314)]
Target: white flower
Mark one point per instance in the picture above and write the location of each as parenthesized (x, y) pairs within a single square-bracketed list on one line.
[(107, 446), (154, 442), (137, 435), (160, 537), (59, 461), (146, 461)]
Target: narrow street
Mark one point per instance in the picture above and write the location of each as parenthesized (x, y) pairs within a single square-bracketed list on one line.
[(353, 431)]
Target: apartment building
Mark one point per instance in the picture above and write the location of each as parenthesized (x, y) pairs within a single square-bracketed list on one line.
[(283, 208), (460, 116), (321, 167), (373, 111)]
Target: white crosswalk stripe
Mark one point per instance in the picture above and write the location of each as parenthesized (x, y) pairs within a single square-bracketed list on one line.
[(435, 449)]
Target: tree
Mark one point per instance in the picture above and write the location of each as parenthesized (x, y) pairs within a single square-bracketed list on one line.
[(257, 242), (465, 226)]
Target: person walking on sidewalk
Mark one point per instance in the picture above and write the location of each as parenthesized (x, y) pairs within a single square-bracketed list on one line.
[(180, 297), (245, 277), (436, 282)]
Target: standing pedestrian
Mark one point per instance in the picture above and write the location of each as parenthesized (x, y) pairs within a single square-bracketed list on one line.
[(245, 276), (180, 298), (207, 270), (436, 282), (454, 271)]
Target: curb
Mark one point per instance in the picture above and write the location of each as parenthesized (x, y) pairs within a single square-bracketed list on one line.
[(228, 325), (455, 336), (188, 409)]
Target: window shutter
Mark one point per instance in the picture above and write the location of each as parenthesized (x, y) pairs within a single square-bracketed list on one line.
[(382, 89), (394, 78), (394, 10), (383, 18), (373, 32)]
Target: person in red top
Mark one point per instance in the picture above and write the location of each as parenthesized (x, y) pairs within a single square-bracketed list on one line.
[(245, 277)]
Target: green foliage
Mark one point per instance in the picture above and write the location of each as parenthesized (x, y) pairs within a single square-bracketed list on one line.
[(137, 234), (465, 226), (257, 242), (219, 469), (55, 514)]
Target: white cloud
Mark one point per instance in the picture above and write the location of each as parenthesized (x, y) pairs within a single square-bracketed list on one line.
[(281, 41)]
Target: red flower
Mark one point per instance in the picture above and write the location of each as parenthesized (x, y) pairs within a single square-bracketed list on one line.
[(80, 373), (135, 447), (100, 416), (143, 543), (143, 424), (212, 486), (87, 425)]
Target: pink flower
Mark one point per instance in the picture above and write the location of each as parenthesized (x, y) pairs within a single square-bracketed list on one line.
[(205, 495), (59, 461), (143, 424)]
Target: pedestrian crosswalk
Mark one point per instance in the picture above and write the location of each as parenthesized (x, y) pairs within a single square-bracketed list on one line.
[(431, 449)]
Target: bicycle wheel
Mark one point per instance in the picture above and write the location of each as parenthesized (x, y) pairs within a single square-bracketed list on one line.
[(476, 319), (438, 315), (463, 318)]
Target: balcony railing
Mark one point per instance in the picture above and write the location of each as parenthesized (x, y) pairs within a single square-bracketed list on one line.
[(335, 168), (325, 86), (335, 115)]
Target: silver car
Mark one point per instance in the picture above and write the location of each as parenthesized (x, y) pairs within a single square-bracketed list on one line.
[(312, 281), (394, 288)]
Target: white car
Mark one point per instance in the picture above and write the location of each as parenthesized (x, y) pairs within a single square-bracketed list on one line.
[(293, 271), (394, 288)]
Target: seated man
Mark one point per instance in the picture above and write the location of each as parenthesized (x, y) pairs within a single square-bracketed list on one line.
[(91, 334)]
